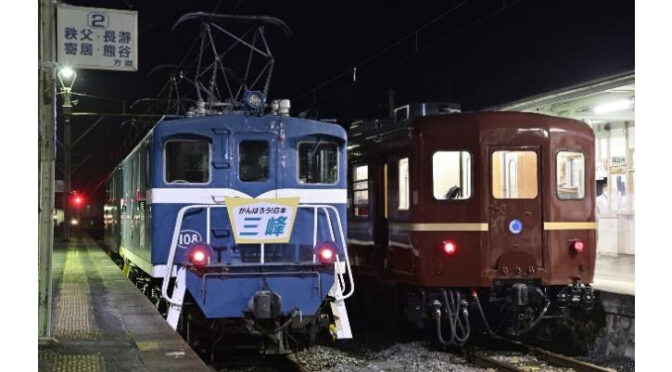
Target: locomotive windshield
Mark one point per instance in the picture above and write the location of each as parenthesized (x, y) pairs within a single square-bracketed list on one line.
[(253, 161), (318, 162), (187, 161), (451, 172)]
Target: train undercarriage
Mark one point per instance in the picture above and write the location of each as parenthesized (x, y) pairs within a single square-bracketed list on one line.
[(509, 309), (259, 329)]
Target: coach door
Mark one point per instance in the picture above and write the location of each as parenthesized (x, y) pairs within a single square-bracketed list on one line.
[(400, 253), (515, 212)]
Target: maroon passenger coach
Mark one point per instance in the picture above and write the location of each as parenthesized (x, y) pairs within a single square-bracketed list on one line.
[(488, 213)]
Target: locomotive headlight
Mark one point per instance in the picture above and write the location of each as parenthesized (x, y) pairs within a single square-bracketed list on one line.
[(254, 100), (326, 252), (449, 247), (199, 254), (578, 246)]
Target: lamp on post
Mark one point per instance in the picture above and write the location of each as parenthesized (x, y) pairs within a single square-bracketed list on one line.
[(67, 77)]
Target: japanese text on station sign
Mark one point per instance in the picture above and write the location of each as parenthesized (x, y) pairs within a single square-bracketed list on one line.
[(262, 220), (97, 38)]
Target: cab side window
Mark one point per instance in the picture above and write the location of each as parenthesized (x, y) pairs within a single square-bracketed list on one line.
[(187, 161)]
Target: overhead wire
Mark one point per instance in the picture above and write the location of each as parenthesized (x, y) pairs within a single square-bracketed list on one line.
[(506, 6), (382, 51)]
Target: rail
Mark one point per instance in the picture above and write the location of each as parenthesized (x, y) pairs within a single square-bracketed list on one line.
[(339, 271), (533, 358)]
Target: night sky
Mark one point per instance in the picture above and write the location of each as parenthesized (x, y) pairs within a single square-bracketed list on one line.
[(478, 56)]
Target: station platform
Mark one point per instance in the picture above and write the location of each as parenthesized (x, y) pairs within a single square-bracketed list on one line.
[(615, 273), (102, 322)]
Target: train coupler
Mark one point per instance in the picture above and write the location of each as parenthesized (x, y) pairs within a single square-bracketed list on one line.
[(576, 295), (265, 305), (523, 295)]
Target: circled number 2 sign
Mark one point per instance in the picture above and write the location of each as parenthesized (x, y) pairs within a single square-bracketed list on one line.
[(98, 20)]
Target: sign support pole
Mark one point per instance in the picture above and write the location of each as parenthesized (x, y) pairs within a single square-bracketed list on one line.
[(67, 160), (46, 146)]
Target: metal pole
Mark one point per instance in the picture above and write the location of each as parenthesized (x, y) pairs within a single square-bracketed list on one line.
[(46, 150), (67, 160)]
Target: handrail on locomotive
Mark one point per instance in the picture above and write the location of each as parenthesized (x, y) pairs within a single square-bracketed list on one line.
[(315, 207)]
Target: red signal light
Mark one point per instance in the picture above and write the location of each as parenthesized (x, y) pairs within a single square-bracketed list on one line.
[(449, 247), (77, 200), (578, 246), (326, 253)]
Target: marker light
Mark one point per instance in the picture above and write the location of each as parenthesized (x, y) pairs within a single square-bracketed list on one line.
[(613, 106), (578, 246), (449, 247), (199, 255), (326, 253)]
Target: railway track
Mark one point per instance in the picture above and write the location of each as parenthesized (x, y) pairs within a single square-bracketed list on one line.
[(531, 359), (279, 363), (296, 363)]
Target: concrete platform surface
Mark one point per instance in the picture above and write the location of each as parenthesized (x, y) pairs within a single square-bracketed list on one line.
[(615, 273), (102, 322)]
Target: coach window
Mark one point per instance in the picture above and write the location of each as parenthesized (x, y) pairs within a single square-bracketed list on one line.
[(570, 175), (318, 162), (404, 185), (253, 161), (514, 175), (360, 185), (187, 161), (451, 172)]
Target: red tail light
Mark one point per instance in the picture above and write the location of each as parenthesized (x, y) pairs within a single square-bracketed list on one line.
[(578, 246), (199, 255), (449, 247), (326, 253)]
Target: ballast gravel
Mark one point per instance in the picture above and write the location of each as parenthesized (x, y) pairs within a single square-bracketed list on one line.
[(412, 356)]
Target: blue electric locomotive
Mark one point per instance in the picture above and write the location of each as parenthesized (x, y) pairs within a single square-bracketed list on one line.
[(235, 223)]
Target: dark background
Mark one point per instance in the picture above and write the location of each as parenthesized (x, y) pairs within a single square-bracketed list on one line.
[(483, 54)]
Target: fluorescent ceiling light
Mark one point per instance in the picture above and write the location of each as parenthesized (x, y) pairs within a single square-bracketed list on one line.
[(613, 106)]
